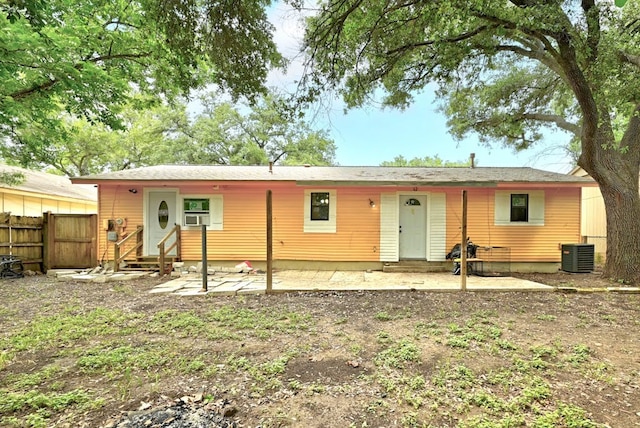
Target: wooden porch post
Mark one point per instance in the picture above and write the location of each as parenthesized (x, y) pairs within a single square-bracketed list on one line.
[(463, 244), (269, 242)]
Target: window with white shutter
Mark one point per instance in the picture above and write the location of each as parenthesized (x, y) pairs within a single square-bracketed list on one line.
[(519, 207), (198, 210)]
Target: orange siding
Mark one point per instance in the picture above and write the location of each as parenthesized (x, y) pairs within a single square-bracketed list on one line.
[(357, 235), (244, 228), (116, 202), (243, 236), (526, 243)]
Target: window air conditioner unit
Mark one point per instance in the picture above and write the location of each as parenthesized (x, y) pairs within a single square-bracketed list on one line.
[(196, 219)]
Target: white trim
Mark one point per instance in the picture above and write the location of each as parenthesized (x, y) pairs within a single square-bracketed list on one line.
[(436, 225), (320, 226), (145, 209), (216, 211), (503, 208)]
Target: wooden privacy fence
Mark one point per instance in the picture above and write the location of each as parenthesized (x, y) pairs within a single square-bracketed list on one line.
[(22, 237), (51, 241)]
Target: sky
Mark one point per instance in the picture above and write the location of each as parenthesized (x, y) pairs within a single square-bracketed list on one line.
[(369, 136)]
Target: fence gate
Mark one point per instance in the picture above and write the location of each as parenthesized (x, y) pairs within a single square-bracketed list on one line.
[(70, 240)]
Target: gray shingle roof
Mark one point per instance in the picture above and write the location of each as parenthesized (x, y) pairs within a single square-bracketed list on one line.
[(45, 184), (339, 175)]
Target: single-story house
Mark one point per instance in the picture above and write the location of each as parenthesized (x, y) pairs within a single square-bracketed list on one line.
[(40, 192), (338, 217)]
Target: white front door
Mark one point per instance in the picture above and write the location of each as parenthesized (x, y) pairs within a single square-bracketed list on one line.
[(161, 217), (413, 227)]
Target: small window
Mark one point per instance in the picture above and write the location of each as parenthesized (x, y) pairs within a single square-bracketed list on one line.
[(520, 207), (199, 210), (320, 206), (320, 214), (196, 212), (412, 202)]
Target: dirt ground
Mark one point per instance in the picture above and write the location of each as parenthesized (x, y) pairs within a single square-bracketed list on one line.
[(350, 359)]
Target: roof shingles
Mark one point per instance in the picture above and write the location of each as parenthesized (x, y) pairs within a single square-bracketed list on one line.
[(371, 175)]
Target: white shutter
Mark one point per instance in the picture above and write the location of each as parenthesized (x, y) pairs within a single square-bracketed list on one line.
[(437, 232), (536, 207), (502, 208), (216, 210), (389, 239)]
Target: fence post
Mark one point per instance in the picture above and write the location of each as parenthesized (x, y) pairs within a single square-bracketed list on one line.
[(46, 263)]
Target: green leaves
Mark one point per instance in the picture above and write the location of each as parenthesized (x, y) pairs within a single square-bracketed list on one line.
[(230, 134), (88, 58), (503, 70)]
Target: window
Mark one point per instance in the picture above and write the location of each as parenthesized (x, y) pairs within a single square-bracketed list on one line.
[(520, 207), (200, 210), (523, 207), (320, 211), (320, 206)]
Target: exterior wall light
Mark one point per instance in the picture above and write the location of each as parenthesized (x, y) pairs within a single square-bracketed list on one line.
[(371, 203)]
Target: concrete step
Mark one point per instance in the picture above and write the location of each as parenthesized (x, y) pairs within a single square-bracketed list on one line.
[(416, 266)]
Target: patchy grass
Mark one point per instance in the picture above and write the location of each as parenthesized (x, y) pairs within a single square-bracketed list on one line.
[(341, 359)]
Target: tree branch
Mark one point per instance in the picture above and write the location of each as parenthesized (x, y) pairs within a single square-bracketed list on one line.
[(592, 15), (24, 93), (559, 121), (630, 59), (538, 55), (455, 39), (279, 156)]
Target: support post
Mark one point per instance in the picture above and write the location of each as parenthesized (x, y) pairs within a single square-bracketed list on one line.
[(269, 242), (463, 244), (205, 267)]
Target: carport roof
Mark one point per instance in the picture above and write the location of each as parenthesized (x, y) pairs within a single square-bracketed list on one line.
[(337, 175)]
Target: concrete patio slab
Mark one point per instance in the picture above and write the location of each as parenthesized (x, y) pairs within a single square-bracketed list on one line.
[(295, 280)]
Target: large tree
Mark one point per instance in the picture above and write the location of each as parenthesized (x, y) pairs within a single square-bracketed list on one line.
[(80, 147), (235, 134), (86, 58), (506, 70), (223, 133)]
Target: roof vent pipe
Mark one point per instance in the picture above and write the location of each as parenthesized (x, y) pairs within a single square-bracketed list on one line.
[(472, 157), (270, 167)]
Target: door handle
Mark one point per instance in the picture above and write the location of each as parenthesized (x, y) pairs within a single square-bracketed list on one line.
[(400, 229)]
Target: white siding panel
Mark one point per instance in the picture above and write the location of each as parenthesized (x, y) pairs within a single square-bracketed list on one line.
[(594, 219), (436, 250), (389, 227)]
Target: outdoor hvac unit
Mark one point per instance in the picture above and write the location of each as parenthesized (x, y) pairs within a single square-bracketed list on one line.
[(577, 258)]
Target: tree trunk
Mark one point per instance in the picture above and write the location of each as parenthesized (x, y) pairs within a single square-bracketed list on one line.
[(616, 169), (623, 232)]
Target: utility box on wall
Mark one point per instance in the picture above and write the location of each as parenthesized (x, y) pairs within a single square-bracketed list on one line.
[(577, 258)]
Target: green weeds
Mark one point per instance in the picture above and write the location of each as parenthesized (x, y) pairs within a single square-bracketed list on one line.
[(398, 354)]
